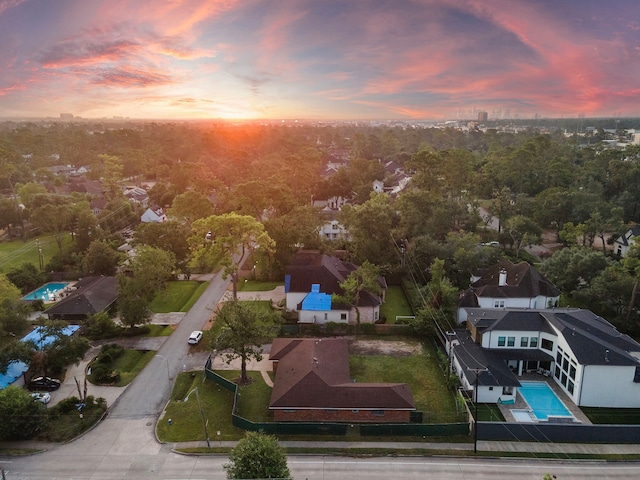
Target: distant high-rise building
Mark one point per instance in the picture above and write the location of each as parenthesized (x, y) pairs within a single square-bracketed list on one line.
[(66, 116), (483, 116)]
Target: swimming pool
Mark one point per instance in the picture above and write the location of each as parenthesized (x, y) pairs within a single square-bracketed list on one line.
[(47, 292), (543, 401)]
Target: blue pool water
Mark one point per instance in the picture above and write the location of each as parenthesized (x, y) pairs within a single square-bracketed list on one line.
[(542, 400), (46, 292)]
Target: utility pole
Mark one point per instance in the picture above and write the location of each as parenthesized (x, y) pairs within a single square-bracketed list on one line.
[(477, 372)]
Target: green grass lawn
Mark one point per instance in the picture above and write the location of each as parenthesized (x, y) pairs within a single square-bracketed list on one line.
[(179, 296), (489, 412), (186, 422), (613, 416), (15, 253), (423, 375), (66, 426), (396, 304)]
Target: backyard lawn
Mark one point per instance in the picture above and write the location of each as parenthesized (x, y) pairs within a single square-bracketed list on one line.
[(423, 375), (395, 305)]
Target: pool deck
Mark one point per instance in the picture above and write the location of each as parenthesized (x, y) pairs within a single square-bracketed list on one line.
[(522, 405)]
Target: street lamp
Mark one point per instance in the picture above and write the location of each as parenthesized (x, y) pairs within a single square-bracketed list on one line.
[(204, 423)]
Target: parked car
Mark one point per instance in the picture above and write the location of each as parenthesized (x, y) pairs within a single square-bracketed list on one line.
[(195, 337), (43, 397), (46, 384)]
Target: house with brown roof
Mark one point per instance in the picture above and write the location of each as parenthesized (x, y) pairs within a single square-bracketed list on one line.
[(88, 296), (313, 383), (508, 285), (313, 278)]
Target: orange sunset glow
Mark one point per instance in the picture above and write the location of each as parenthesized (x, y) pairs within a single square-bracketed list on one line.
[(422, 59)]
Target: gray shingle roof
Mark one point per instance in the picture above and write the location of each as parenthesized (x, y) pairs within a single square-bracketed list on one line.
[(92, 295)]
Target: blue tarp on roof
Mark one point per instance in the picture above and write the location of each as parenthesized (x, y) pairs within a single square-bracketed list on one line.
[(316, 301), (16, 369)]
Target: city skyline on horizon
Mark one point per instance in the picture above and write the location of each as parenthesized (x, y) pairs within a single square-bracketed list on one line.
[(421, 60)]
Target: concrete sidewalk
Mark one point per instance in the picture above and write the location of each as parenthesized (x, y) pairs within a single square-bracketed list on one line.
[(530, 448)]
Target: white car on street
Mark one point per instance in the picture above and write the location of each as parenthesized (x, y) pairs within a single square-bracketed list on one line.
[(195, 337)]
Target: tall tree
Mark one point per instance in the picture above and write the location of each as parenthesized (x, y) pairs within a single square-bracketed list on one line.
[(522, 231), (190, 206), (53, 219), (229, 237), (13, 311), (20, 416), (257, 455), (150, 269), (171, 236), (365, 278), (244, 331), (370, 227)]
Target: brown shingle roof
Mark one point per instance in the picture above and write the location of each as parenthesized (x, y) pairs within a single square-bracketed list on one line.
[(314, 374)]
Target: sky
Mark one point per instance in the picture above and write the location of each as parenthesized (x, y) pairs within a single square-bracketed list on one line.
[(320, 59)]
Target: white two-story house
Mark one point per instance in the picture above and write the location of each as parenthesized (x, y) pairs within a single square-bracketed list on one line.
[(593, 363), (508, 285)]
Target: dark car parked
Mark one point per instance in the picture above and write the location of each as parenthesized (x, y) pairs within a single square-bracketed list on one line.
[(47, 384)]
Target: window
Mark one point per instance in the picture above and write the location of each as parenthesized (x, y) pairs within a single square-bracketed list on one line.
[(558, 357), (378, 413), (533, 342), (376, 315), (572, 372), (498, 304), (547, 344), (501, 341), (343, 316), (511, 341), (524, 341), (326, 317), (507, 390), (570, 387), (491, 389)]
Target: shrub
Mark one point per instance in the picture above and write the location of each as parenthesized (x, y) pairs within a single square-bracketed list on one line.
[(368, 328), (100, 326)]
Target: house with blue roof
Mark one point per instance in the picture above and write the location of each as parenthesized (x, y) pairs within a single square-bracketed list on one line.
[(312, 280)]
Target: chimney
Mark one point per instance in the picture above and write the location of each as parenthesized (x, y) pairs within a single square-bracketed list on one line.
[(502, 280)]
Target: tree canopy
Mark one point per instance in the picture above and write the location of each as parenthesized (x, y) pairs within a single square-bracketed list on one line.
[(228, 237), (257, 456), (245, 329)]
